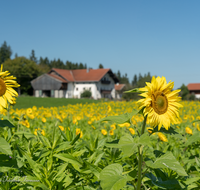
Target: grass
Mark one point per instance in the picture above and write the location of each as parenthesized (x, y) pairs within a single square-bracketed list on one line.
[(29, 101)]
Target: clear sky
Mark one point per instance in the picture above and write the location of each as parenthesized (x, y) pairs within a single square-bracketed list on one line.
[(160, 37)]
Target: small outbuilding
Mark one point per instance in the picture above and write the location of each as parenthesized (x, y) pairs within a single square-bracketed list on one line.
[(119, 89), (194, 88)]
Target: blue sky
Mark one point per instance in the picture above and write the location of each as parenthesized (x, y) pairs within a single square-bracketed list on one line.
[(160, 37)]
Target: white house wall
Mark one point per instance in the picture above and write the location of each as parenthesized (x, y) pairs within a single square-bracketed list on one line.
[(79, 88), (113, 92), (197, 95)]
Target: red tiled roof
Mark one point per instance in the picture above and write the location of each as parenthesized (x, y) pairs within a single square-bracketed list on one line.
[(119, 86), (91, 75), (193, 86), (81, 74), (57, 77), (67, 74)]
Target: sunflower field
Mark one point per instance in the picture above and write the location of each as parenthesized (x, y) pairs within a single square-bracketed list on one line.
[(149, 144), (75, 147)]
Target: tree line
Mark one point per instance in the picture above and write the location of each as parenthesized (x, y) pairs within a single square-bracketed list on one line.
[(27, 69)]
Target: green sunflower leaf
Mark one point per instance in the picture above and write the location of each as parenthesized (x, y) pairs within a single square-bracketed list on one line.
[(5, 147), (6, 123), (168, 161), (128, 145), (168, 184), (197, 120), (111, 177), (119, 119), (135, 90), (194, 138), (163, 130), (69, 159)]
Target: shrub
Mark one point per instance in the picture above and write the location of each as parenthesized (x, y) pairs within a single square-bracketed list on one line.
[(192, 97), (86, 94)]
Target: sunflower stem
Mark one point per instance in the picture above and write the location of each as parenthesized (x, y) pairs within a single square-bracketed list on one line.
[(140, 158)]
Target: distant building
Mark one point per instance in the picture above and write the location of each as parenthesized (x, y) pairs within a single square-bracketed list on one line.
[(119, 89), (61, 83), (194, 88)]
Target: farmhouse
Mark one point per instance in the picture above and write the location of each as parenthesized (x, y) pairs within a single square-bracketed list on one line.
[(60, 83), (194, 88)]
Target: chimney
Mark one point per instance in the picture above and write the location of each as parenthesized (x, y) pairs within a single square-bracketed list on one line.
[(88, 70)]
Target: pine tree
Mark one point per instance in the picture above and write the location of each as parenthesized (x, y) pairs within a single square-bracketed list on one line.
[(32, 56), (68, 65), (134, 81), (101, 66), (81, 66), (5, 52), (118, 75)]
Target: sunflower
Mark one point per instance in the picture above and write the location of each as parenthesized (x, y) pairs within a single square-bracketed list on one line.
[(160, 103), (7, 93)]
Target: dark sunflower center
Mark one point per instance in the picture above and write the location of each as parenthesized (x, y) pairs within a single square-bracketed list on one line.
[(2, 87), (159, 103)]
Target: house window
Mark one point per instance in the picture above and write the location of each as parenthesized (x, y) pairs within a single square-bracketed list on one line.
[(90, 88), (83, 88), (76, 89)]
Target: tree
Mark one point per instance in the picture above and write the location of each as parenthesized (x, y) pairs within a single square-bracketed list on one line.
[(24, 70), (134, 81), (32, 56), (118, 74), (81, 66), (184, 92), (124, 79), (142, 80), (57, 64), (137, 82), (5, 52), (101, 66), (44, 65), (68, 65), (140, 77)]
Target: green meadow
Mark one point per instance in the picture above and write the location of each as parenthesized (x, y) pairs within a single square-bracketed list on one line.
[(29, 101)]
